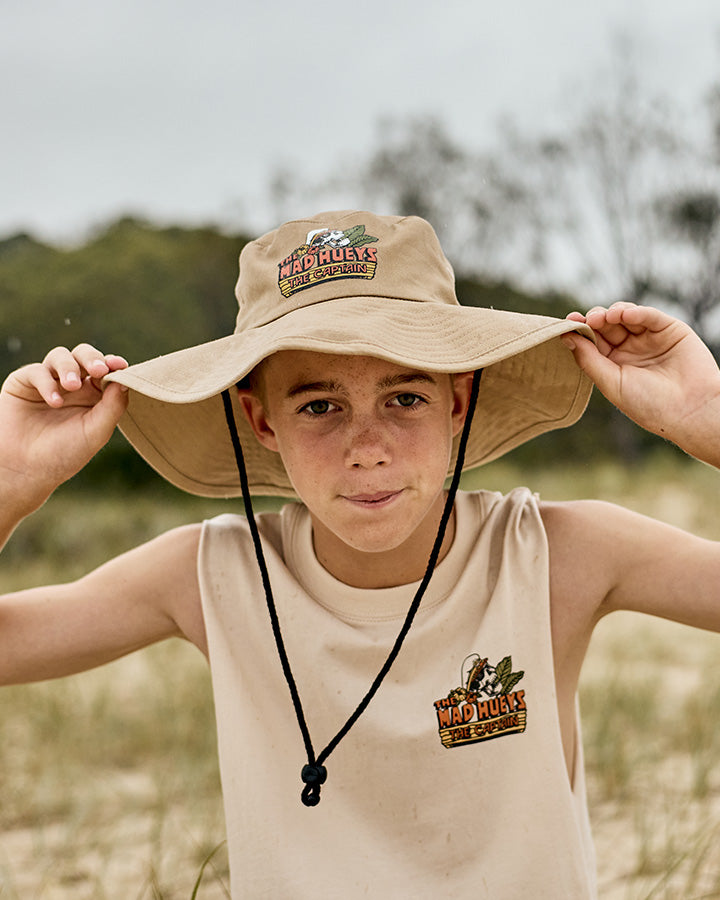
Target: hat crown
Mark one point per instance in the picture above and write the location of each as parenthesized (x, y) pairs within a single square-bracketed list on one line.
[(339, 255)]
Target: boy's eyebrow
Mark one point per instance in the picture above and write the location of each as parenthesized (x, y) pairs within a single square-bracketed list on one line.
[(323, 387), (406, 378), (335, 387)]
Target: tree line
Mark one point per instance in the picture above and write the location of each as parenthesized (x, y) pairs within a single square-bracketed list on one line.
[(140, 290)]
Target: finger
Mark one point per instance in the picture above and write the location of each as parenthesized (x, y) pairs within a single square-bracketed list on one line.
[(607, 323), (34, 382), (623, 313), (603, 346), (647, 317), (114, 362), (620, 305), (71, 367), (64, 368), (636, 318), (91, 360)]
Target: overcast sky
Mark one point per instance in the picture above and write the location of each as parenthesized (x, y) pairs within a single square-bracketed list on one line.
[(180, 111)]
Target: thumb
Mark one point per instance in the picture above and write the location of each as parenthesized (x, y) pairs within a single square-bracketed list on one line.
[(602, 371), (105, 414)]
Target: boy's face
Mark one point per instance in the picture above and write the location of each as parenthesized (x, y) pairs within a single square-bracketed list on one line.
[(367, 445)]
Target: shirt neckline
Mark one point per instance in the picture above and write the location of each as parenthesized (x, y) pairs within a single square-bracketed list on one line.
[(378, 604)]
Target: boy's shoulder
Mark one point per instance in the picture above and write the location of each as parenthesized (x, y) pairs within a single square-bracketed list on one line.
[(583, 540), (604, 557), (273, 524), (588, 523)]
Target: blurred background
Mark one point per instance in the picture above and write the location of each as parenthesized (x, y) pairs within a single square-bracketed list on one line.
[(567, 154)]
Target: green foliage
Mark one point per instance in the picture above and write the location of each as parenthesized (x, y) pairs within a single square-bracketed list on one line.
[(133, 289)]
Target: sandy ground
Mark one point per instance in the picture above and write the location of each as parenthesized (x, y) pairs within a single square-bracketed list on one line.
[(126, 855), (661, 842)]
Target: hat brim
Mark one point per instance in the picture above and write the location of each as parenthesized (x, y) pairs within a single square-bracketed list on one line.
[(175, 417)]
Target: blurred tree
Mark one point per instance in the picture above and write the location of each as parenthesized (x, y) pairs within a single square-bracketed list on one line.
[(689, 281), (135, 288), (624, 204), (594, 190), (417, 168)]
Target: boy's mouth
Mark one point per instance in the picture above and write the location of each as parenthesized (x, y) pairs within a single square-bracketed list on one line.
[(373, 500)]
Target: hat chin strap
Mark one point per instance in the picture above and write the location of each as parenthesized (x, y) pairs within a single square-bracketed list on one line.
[(314, 773)]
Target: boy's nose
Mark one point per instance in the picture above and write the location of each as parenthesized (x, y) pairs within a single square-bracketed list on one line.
[(367, 447)]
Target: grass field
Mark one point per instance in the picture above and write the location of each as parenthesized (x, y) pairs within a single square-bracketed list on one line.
[(108, 781)]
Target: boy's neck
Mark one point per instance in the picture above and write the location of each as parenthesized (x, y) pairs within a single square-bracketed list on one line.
[(404, 564)]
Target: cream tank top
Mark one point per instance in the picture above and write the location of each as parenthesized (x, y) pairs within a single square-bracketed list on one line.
[(452, 784)]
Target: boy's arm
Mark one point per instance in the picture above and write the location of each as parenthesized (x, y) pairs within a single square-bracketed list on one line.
[(145, 595), (605, 558), (657, 371), (53, 419)]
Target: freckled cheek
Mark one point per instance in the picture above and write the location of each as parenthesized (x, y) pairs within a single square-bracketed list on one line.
[(306, 461), (431, 448)]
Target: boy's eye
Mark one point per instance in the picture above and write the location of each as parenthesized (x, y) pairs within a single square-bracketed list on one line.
[(317, 407), (407, 400)]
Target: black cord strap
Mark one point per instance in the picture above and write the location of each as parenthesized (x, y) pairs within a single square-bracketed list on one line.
[(314, 773), (227, 402)]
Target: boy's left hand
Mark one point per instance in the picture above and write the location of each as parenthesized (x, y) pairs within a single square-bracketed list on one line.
[(657, 371)]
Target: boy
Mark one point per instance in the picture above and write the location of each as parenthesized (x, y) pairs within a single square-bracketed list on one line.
[(430, 644)]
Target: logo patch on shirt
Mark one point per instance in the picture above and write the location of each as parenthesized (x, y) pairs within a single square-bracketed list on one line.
[(486, 706), (328, 255)]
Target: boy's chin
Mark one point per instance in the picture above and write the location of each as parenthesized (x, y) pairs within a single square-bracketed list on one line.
[(371, 544), (372, 539)]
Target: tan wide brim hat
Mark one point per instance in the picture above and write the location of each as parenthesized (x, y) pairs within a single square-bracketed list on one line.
[(357, 284)]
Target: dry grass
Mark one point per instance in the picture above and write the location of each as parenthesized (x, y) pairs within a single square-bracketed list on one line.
[(109, 783), (109, 780)]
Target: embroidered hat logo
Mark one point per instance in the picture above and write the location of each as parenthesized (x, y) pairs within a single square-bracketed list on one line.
[(327, 255)]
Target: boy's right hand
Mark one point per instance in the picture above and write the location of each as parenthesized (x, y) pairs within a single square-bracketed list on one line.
[(54, 417)]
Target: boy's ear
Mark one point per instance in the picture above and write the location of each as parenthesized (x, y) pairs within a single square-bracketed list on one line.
[(462, 388), (254, 411)]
